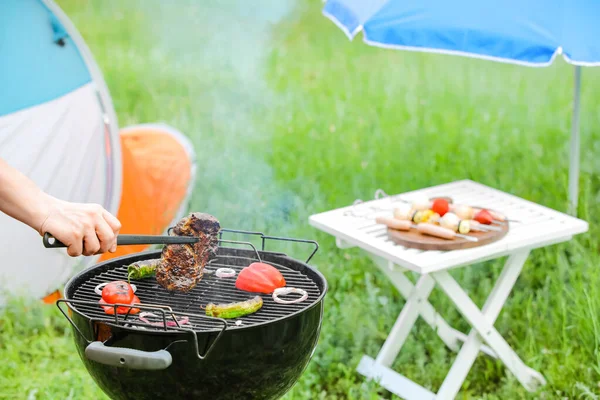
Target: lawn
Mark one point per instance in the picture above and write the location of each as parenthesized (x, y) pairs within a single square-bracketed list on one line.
[(289, 119)]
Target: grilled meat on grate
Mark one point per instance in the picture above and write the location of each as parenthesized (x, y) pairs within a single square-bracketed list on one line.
[(182, 265), (179, 269)]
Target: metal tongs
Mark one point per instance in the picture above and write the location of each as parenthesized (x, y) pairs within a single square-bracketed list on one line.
[(50, 241)]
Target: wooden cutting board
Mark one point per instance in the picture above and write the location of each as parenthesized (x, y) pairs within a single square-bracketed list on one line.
[(416, 240)]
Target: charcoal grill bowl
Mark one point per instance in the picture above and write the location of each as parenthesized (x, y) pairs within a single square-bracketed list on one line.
[(261, 361)]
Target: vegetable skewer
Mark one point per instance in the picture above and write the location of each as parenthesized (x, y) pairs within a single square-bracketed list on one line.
[(481, 215), (440, 205), (445, 233), (410, 214), (485, 228), (449, 220), (425, 228), (452, 221)]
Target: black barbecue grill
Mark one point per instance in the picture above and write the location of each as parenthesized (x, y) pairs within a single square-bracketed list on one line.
[(258, 356)]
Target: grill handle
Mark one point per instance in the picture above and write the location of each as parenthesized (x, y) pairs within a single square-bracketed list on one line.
[(131, 358), (50, 241), (128, 358), (264, 238)]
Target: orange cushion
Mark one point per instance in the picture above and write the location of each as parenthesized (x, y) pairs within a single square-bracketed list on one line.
[(53, 297), (156, 175)]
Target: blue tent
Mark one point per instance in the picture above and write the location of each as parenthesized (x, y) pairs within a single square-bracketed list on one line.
[(529, 33), (58, 127)]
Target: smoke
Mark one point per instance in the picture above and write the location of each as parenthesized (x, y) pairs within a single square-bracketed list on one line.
[(212, 54)]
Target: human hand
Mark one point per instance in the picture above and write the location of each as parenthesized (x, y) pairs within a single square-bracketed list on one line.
[(86, 229)]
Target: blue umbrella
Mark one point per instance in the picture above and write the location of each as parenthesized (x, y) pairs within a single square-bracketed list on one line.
[(530, 33)]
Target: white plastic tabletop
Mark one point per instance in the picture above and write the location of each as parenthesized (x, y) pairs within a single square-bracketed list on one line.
[(537, 226)]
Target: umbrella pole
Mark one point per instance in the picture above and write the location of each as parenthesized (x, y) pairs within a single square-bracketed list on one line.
[(575, 146)]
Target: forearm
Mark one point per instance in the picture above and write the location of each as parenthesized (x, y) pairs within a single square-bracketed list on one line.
[(21, 199)]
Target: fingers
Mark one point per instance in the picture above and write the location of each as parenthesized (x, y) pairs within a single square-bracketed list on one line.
[(105, 235), (105, 227), (86, 229), (73, 241), (112, 221), (115, 225), (91, 243)]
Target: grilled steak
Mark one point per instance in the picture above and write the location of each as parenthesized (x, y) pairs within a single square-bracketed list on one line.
[(178, 269), (182, 265), (204, 226)]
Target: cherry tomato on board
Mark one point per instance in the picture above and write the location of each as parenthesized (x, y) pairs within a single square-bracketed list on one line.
[(484, 217), (440, 206)]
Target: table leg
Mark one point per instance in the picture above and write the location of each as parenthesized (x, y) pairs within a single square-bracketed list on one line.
[(452, 338), (483, 329), (406, 320)]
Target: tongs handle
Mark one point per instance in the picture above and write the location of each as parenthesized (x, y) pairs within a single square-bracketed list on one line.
[(50, 241)]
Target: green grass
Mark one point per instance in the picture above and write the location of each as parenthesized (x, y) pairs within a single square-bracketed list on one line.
[(289, 118)]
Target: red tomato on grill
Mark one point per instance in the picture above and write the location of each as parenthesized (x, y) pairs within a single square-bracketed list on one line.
[(117, 292), (440, 206), (120, 309), (259, 277)]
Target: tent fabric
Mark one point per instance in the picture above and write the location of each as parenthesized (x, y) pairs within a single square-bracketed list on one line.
[(61, 146), (111, 127), (58, 127), (158, 175), (35, 68), (528, 33)]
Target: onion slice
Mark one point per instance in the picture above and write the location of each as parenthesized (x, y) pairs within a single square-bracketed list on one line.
[(170, 322), (225, 272), (285, 290), (98, 289)]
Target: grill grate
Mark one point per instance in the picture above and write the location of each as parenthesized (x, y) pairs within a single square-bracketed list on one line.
[(211, 289)]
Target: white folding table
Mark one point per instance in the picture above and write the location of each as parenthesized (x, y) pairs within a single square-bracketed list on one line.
[(537, 226)]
